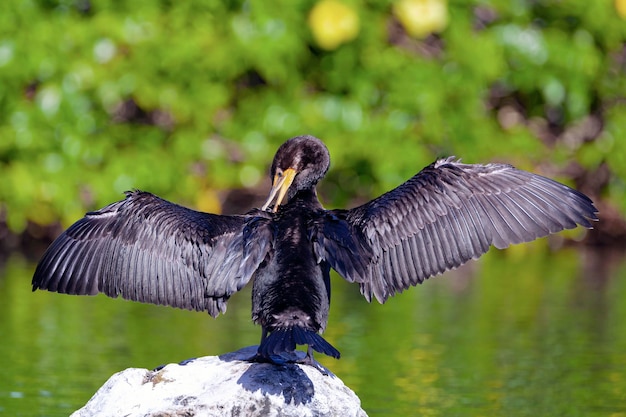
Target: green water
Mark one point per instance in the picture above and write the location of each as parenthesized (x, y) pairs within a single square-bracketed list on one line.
[(523, 332)]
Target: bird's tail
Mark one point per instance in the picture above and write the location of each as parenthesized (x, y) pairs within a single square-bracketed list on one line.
[(285, 339)]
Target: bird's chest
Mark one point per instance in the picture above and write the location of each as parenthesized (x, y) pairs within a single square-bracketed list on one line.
[(293, 254), (291, 276)]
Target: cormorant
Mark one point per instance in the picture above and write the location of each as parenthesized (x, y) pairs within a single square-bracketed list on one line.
[(150, 250)]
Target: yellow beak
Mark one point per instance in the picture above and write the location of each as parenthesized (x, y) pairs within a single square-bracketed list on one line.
[(280, 184)]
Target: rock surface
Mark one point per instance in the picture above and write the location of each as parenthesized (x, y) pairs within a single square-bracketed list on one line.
[(224, 385)]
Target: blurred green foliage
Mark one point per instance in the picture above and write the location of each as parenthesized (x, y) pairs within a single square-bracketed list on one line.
[(188, 98)]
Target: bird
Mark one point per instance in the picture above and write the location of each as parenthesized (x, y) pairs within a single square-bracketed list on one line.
[(147, 249)]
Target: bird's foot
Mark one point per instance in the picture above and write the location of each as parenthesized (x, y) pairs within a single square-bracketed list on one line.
[(259, 358), (282, 359), (308, 360), (295, 357)]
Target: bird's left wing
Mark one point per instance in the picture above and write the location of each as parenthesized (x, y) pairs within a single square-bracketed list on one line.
[(441, 218), (150, 250)]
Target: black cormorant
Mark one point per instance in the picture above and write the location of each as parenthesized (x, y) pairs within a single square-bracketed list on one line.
[(148, 249)]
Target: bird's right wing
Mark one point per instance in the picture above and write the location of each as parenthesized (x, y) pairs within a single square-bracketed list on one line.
[(150, 250), (441, 218)]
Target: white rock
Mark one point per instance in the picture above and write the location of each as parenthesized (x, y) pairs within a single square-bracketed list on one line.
[(224, 385)]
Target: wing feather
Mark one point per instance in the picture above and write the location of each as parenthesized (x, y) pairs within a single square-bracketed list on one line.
[(148, 249), (444, 216)]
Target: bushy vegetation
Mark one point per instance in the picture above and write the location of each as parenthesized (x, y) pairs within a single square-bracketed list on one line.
[(185, 98)]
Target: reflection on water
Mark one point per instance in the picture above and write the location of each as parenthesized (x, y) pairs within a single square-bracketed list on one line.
[(524, 332)]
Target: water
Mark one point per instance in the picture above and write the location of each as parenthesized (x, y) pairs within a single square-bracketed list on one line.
[(523, 332)]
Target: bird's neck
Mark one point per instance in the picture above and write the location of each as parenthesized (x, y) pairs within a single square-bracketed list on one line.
[(306, 197)]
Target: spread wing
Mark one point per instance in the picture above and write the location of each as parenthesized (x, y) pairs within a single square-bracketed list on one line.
[(444, 216), (150, 250)]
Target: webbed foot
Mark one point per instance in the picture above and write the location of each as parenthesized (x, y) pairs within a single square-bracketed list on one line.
[(295, 357)]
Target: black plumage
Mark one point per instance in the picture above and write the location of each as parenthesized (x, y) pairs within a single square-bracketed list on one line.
[(147, 249)]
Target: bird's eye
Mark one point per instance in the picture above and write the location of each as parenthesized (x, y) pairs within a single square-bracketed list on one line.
[(279, 173)]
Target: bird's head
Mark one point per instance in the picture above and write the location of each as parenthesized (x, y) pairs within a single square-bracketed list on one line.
[(298, 165)]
